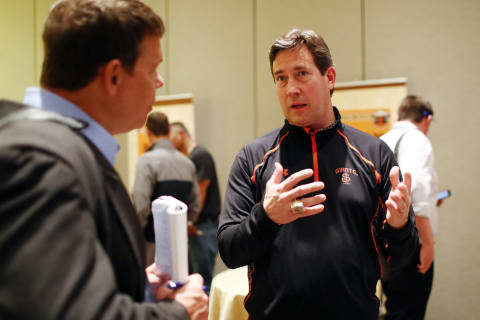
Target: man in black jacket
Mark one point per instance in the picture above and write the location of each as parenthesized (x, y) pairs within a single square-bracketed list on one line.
[(313, 206), (70, 243)]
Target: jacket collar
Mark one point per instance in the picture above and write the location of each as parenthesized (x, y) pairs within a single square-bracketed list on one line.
[(337, 124), (123, 206)]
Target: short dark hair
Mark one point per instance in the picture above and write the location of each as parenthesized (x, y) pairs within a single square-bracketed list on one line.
[(180, 125), (82, 35), (157, 123), (414, 108), (297, 38)]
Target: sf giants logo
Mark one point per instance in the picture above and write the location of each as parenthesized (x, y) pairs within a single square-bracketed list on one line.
[(346, 174), (346, 178)]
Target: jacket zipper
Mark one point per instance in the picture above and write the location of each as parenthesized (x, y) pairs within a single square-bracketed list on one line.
[(314, 154)]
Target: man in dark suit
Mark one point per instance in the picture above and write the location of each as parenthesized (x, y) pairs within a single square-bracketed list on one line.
[(70, 242)]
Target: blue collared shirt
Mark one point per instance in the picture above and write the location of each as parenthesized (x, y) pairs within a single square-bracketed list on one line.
[(101, 138)]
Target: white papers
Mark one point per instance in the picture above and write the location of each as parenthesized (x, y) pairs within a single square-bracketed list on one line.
[(171, 240)]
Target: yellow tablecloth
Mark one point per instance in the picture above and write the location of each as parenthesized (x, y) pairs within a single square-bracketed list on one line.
[(227, 293)]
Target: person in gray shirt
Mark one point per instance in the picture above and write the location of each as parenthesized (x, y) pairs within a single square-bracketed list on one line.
[(162, 170)]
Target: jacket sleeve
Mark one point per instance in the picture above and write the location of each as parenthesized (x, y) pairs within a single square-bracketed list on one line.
[(143, 189), (53, 265), (399, 247), (194, 199), (245, 231)]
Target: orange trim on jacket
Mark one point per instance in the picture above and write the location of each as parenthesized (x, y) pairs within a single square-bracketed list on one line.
[(312, 133), (378, 176), (250, 279), (252, 178), (378, 180)]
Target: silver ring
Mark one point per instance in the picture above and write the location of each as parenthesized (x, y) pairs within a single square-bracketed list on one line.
[(297, 207)]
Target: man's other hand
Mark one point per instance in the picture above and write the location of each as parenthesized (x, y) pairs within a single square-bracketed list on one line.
[(399, 200)]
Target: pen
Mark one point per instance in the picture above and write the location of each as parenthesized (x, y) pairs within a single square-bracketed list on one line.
[(174, 285)]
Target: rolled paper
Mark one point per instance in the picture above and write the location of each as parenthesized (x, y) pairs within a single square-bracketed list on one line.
[(171, 239)]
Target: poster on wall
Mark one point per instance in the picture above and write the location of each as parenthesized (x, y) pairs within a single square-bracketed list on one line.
[(178, 107), (375, 121), (370, 105)]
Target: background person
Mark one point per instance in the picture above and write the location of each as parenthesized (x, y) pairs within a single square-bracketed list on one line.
[(408, 291), (309, 207), (162, 170), (70, 245), (204, 246)]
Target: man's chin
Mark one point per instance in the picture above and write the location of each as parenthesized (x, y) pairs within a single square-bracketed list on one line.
[(298, 122)]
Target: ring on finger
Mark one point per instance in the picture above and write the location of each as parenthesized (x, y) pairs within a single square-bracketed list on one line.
[(297, 207)]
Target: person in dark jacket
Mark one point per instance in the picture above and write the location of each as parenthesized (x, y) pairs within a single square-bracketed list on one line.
[(313, 207), (70, 242)]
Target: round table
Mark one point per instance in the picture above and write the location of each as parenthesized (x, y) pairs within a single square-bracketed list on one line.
[(227, 293)]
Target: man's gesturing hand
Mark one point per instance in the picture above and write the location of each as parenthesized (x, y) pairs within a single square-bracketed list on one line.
[(399, 200), (280, 195)]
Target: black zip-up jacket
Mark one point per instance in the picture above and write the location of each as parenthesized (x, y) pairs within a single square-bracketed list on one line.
[(324, 266)]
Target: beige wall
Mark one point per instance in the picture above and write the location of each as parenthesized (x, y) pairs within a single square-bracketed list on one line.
[(211, 56), (21, 51), (275, 17), (17, 63), (435, 44), (217, 50)]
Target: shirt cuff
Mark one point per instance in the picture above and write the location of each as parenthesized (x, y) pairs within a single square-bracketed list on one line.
[(399, 235), (264, 226)]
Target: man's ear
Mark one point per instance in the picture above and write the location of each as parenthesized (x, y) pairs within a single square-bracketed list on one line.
[(112, 76), (424, 124), (331, 74), (149, 135)]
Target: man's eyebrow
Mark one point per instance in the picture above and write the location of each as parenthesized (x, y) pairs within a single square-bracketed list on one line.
[(298, 67), (278, 72)]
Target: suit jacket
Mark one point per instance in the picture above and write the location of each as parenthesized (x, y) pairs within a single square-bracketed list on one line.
[(70, 243)]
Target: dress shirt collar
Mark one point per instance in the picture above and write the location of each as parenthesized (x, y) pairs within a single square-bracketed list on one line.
[(404, 125), (163, 144), (101, 138)]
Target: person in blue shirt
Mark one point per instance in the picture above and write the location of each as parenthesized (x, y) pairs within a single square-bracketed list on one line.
[(71, 244)]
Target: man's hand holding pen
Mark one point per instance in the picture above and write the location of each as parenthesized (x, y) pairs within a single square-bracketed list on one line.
[(190, 294)]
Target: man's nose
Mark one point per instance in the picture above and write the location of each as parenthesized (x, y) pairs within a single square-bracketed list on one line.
[(159, 82), (292, 88)]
